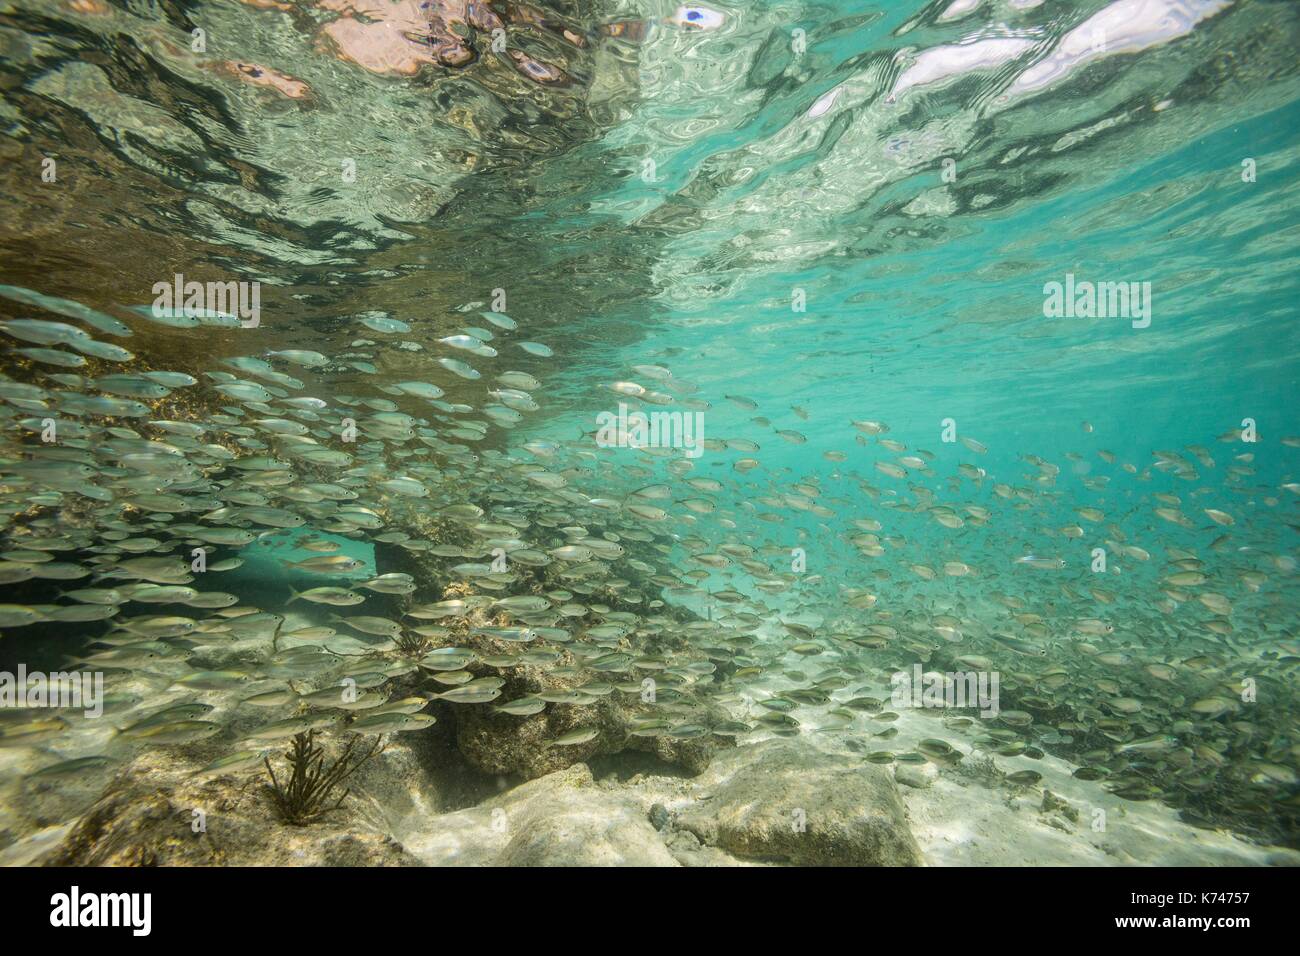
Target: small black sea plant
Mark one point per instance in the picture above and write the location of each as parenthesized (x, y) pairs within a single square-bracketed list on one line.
[(308, 793)]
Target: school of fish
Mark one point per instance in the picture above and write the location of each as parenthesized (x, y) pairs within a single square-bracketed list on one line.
[(129, 493)]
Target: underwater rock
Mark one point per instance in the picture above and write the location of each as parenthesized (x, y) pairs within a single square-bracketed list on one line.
[(561, 819), (687, 850), (510, 745), (506, 744), (788, 803), (919, 776), (1053, 804), (148, 815), (500, 743), (691, 754)]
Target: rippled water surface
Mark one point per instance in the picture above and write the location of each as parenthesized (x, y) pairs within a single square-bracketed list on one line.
[(847, 245)]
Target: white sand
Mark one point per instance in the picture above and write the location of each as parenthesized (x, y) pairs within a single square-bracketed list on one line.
[(963, 821)]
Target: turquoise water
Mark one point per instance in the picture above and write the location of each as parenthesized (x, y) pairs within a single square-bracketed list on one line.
[(780, 217)]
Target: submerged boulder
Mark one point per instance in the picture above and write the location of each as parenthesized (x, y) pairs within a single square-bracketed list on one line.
[(786, 802), (157, 813), (524, 746), (777, 802), (561, 819), (505, 744)]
